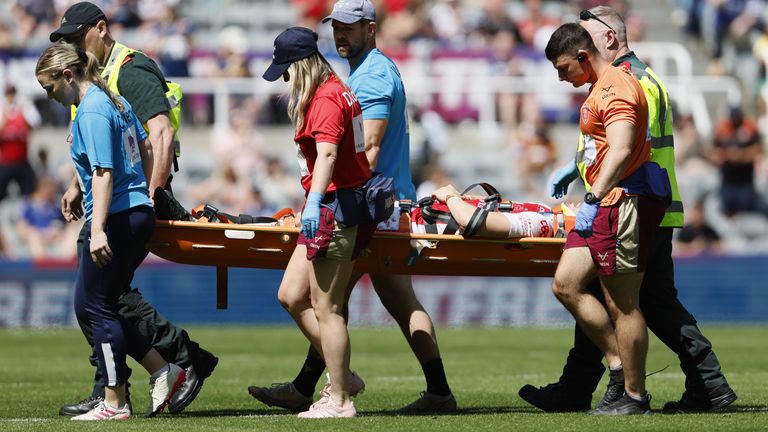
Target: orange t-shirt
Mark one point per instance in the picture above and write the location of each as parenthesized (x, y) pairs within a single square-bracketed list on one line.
[(616, 96)]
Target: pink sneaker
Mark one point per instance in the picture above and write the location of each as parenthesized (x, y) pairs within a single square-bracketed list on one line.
[(104, 411), (356, 386), (327, 408)]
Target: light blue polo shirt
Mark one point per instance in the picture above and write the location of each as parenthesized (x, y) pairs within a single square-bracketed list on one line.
[(103, 137), (378, 87)]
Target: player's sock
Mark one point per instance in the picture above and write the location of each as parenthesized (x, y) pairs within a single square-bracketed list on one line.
[(434, 373), (160, 371), (310, 373)]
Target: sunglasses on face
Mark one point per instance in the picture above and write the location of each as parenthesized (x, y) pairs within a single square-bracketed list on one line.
[(586, 15)]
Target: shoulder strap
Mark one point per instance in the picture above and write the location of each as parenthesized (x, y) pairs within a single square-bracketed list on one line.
[(111, 70)]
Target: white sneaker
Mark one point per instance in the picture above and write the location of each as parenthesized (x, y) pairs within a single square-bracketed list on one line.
[(104, 411), (163, 388)]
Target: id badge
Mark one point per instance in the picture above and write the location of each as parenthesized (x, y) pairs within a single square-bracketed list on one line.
[(131, 144), (357, 129)]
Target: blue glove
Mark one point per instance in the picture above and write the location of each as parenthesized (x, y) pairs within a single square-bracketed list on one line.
[(585, 218), (310, 217), (563, 177)]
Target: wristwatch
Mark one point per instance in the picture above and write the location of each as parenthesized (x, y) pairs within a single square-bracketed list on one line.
[(591, 198)]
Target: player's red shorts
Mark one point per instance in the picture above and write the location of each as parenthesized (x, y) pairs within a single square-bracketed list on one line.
[(621, 235), (336, 242)]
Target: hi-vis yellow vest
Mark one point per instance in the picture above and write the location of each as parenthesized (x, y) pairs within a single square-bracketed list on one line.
[(111, 73), (660, 129)]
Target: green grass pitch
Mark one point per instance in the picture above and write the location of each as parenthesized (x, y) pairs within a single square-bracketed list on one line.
[(41, 369)]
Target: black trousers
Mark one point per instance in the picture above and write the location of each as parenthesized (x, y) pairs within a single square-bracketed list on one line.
[(98, 288), (667, 318), (171, 342)]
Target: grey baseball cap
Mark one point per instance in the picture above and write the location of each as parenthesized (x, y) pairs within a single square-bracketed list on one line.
[(352, 11)]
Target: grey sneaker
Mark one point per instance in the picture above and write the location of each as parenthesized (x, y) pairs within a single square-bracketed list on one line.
[(283, 395), (429, 403), (615, 388), (625, 406)]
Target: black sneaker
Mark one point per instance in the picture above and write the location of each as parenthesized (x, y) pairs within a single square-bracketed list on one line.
[(717, 399), (81, 407), (196, 375), (556, 397), (615, 388), (85, 405), (625, 406)]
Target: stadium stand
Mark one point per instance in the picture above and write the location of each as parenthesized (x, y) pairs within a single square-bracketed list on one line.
[(480, 89)]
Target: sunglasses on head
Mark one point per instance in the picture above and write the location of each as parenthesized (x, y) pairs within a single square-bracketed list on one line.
[(586, 15)]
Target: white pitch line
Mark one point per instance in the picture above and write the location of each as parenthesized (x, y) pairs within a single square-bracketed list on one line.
[(27, 420)]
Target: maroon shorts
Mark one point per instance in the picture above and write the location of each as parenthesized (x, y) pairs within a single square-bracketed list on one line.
[(336, 242), (621, 235)]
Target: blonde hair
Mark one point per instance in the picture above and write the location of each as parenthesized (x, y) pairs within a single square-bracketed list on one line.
[(306, 76), (83, 65)]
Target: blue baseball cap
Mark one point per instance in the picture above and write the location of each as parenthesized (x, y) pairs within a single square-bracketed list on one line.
[(292, 45), (352, 11)]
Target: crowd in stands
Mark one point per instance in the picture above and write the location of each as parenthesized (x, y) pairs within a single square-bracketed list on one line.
[(723, 179)]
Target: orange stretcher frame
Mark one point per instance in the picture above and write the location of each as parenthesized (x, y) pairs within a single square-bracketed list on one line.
[(230, 245)]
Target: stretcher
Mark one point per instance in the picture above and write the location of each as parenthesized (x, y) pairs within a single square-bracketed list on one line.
[(270, 247)]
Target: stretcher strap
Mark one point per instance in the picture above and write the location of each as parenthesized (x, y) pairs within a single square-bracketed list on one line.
[(476, 221), (558, 224)]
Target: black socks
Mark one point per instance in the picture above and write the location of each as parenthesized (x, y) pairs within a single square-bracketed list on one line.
[(437, 383), (310, 373)]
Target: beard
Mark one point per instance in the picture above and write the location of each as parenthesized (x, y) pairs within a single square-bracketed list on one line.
[(349, 51)]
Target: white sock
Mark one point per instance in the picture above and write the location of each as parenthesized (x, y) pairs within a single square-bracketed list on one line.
[(161, 371)]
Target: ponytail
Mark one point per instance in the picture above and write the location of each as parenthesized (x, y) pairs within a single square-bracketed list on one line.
[(83, 64)]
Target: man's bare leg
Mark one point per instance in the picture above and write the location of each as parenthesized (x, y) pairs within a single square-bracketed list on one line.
[(575, 271), (622, 295)]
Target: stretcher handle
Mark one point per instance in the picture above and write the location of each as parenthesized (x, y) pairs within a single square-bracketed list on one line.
[(222, 287)]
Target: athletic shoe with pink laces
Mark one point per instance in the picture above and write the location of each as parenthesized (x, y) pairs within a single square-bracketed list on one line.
[(356, 386), (164, 387), (327, 408), (104, 411)]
